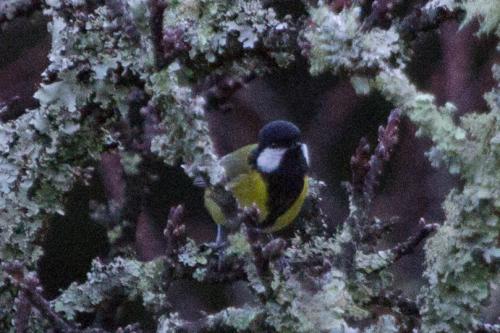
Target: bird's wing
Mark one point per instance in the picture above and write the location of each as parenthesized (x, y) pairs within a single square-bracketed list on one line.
[(244, 182), (239, 178), (236, 163)]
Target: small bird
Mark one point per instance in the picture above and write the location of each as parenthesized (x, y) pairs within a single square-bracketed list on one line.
[(271, 174)]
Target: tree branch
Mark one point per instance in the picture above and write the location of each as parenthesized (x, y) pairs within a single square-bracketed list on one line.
[(175, 235), (409, 245), (173, 44), (218, 322), (31, 291), (9, 108), (157, 8), (262, 257), (23, 312), (366, 172), (391, 300), (387, 139), (220, 90), (426, 20), (381, 13), (20, 8), (487, 328)]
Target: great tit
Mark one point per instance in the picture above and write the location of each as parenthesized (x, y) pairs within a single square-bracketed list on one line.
[(271, 174)]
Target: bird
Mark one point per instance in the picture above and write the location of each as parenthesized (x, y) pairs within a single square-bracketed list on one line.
[(270, 174)]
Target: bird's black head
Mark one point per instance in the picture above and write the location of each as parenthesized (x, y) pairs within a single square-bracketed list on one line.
[(280, 149), (278, 134)]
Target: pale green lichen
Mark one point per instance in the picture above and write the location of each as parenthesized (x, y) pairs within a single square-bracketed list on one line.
[(130, 162), (338, 43), (300, 310), (488, 12), (218, 29), (131, 279), (9, 8), (233, 319), (182, 117), (459, 268), (190, 255), (374, 261), (238, 245), (385, 324)]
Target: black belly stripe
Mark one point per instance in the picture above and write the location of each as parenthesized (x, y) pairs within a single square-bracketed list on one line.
[(283, 191)]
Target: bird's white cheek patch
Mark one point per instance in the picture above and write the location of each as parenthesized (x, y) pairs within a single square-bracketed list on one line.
[(305, 152), (269, 159)]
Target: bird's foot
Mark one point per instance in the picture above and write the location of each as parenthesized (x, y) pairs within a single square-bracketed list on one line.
[(216, 246)]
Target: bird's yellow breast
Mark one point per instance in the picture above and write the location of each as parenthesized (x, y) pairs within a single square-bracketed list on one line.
[(250, 188)]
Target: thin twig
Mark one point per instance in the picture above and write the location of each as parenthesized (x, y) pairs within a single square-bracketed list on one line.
[(173, 43), (366, 172), (262, 255), (10, 108), (426, 20), (218, 91), (21, 8), (486, 328), (175, 235), (121, 14), (360, 165), (409, 245), (215, 323), (405, 305), (23, 312), (381, 13), (157, 8), (175, 231), (387, 139), (30, 287)]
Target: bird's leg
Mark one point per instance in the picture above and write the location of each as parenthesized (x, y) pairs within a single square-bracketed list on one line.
[(219, 243), (219, 240)]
